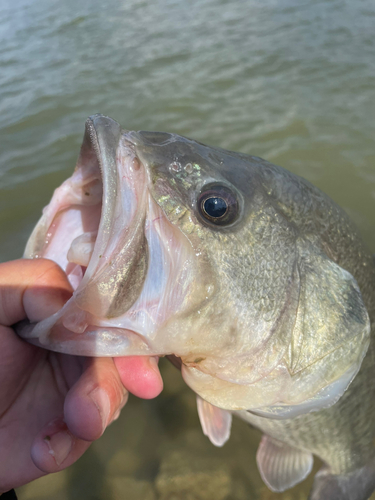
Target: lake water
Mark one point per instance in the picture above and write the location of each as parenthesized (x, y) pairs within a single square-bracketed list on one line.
[(291, 81)]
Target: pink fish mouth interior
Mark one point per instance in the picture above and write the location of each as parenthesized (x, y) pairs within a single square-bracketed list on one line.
[(68, 229), (123, 258), (75, 217)]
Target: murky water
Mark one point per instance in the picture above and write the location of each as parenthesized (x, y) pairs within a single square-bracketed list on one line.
[(291, 81)]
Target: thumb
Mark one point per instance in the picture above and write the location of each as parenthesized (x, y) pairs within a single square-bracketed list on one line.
[(32, 289)]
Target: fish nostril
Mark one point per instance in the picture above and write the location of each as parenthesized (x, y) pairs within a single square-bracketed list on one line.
[(155, 137)]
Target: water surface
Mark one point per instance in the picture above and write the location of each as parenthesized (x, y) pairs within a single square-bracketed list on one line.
[(292, 82)]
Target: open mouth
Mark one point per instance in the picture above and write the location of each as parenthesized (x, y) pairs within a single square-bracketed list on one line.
[(123, 258), (95, 221), (68, 229)]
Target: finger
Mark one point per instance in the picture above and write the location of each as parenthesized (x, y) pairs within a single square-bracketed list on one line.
[(32, 289), (55, 447), (95, 400), (140, 375)]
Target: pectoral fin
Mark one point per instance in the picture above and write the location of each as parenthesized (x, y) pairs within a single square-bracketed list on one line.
[(216, 423), (282, 466)]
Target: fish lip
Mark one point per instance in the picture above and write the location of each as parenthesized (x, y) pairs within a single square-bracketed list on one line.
[(107, 140), (102, 134)]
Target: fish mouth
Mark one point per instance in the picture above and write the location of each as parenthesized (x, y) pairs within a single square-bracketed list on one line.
[(124, 259)]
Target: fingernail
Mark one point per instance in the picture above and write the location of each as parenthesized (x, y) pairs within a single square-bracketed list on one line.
[(60, 445), (101, 400), (124, 399), (116, 415), (122, 404), (153, 362)]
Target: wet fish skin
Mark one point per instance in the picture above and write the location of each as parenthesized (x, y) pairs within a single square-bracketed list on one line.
[(343, 436), (286, 228), (272, 312)]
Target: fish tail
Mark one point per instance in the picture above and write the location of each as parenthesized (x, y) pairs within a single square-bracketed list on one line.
[(357, 485)]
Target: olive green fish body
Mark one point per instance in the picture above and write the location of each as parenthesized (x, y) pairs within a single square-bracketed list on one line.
[(343, 435), (250, 275)]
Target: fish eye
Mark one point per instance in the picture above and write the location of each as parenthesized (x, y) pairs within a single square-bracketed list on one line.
[(218, 205), (215, 207)]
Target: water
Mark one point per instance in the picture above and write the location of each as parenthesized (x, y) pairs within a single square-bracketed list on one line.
[(291, 81)]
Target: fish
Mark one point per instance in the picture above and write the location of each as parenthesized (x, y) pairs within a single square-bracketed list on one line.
[(245, 275)]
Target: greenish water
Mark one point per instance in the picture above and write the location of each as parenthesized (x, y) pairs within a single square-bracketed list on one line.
[(291, 81)]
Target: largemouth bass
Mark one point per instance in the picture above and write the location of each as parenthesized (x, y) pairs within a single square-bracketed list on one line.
[(250, 276)]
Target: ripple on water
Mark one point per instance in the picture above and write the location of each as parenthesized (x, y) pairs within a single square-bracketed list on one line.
[(289, 81)]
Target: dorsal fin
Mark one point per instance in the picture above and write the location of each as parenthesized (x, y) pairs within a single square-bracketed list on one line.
[(282, 466), (215, 422)]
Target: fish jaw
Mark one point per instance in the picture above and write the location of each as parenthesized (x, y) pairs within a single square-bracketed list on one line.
[(129, 267)]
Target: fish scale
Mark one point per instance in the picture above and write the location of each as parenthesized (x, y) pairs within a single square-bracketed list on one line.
[(267, 304)]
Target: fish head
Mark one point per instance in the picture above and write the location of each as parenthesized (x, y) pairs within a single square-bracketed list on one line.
[(176, 248)]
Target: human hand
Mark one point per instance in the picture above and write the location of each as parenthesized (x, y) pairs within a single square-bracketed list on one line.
[(52, 405)]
